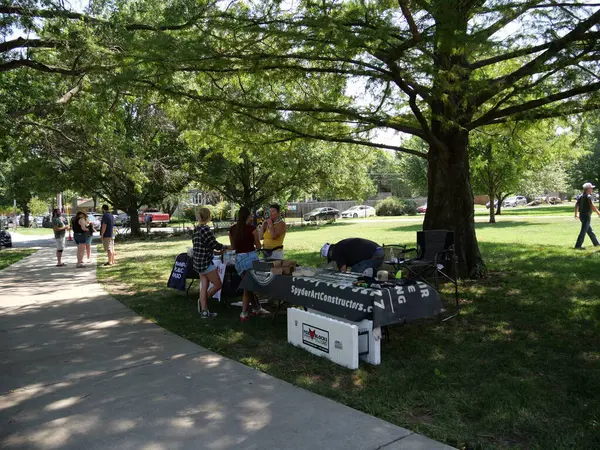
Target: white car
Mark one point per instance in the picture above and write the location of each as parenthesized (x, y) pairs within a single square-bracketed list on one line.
[(359, 211), (512, 202)]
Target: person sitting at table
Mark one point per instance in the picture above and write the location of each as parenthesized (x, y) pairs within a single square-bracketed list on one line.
[(273, 233), (361, 255), (244, 240), (205, 246)]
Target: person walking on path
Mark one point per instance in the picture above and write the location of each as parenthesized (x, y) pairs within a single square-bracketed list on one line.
[(59, 236), (245, 241), (79, 225), (107, 234), (88, 239), (583, 212), (204, 245)]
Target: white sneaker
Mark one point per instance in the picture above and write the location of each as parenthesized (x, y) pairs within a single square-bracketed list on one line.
[(260, 312)]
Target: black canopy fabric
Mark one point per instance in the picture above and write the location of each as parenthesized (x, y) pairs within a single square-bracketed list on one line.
[(334, 293)]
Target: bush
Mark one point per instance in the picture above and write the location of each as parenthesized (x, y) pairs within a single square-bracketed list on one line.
[(410, 208), (189, 213), (392, 206)]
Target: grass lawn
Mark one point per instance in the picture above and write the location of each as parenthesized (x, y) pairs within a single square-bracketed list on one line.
[(520, 368), (566, 209), (10, 256), (34, 231)]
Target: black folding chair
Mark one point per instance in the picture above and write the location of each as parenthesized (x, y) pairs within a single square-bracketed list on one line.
[(435, 259)]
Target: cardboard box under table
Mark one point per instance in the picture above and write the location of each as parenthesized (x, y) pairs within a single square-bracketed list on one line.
[(334, 295)]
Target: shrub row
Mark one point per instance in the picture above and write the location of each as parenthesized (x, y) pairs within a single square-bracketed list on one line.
[(392, 206)]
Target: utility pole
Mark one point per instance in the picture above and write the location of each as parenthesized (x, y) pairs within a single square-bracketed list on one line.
[(12, 170)]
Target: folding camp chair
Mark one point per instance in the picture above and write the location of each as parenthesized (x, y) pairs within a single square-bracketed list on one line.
[(435, 258)]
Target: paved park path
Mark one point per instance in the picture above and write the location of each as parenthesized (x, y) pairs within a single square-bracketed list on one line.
[(78, 370)]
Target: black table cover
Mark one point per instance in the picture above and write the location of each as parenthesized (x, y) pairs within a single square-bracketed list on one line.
[(333, 293)]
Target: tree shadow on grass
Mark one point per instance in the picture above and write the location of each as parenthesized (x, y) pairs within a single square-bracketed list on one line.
[(498, 225), (316, 227), (520, 366)]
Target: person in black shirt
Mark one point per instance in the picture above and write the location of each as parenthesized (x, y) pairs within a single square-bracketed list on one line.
[(583, 212), (361, 255)]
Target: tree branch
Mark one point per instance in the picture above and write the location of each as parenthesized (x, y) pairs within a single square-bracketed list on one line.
[(21, 42), (307, 108), (65, 14), (563, 111), (505, 20), (321, 137), (414, 30), (533, 104), (16, 63), (530, 68)]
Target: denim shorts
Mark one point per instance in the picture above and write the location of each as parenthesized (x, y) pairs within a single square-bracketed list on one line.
[(244, 261), (80, 238), (209, 269), (88, 240)]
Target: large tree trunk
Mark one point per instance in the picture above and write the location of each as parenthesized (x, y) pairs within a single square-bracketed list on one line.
[(26, 212), (132, 212), (492, 208), (499, 207), (450, 203)]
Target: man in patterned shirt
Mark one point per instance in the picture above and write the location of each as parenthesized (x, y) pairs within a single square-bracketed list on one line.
[(205, 245)]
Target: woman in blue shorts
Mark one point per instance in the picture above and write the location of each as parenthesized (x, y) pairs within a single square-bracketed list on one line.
[(79, 226), (245, 241)]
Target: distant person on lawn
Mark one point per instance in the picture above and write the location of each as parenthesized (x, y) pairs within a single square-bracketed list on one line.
[(583, 212), (60, 230), (360, 255), (204, 247), (107, 234), (148, 220), (245, 241)]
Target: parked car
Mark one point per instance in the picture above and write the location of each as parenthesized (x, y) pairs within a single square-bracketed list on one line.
[(359, 211), (487, 205), (121, 219), (96, 219), (5, 238), (325, 213), (512, 202), (22, 220), (422, 209), (47, 222), (555, 200), (158, 217)]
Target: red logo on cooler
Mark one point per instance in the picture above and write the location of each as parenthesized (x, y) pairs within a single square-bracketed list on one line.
[(312, 333)]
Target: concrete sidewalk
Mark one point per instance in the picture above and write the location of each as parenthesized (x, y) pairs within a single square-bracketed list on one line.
[(81, 371)]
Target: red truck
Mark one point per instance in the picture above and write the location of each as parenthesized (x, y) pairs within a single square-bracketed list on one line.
[(158, 218)]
